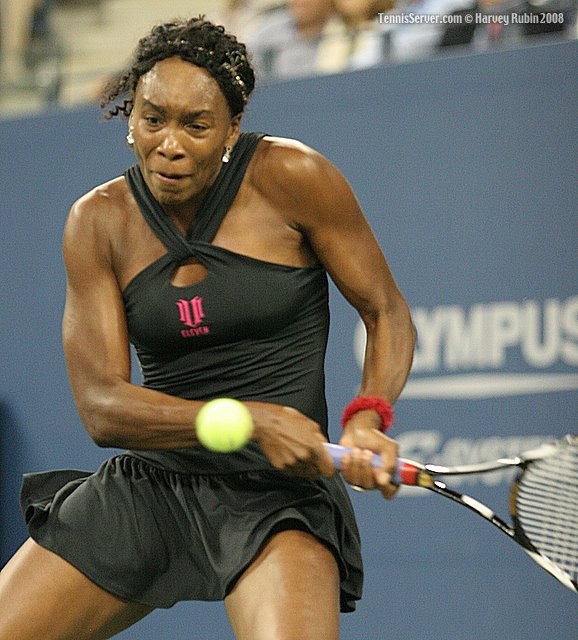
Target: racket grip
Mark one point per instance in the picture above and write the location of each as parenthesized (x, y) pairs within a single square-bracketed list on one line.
[(337, 452)]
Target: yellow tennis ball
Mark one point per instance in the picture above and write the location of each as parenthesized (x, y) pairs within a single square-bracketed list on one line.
[(224, 425)]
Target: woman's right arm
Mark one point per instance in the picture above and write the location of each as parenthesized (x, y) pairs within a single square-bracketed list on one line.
[(115, 412)]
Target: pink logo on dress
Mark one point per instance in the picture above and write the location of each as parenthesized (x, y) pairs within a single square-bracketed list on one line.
[(191, 314)]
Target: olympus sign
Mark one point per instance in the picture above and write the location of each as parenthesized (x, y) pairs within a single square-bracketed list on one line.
[(486, 339)]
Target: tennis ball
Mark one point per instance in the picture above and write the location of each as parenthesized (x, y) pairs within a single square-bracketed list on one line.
[(224, 425)]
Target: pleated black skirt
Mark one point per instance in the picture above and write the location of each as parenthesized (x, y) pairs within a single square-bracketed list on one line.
[(157, 537)]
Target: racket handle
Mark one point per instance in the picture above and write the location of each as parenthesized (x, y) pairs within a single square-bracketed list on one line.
[(406, 472)]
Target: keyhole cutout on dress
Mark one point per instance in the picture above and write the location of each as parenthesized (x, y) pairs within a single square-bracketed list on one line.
[(188, 273)]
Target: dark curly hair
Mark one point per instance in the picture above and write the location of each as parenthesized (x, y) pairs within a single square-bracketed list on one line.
[(197, 41)]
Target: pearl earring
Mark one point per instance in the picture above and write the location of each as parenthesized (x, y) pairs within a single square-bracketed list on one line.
[(227, 155), (130, 137)]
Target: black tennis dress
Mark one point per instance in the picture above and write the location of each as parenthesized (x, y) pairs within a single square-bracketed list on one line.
[(161, 526)]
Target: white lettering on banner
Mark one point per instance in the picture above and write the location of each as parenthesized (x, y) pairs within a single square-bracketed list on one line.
[(453, 340), (483, 338), (429, 447)]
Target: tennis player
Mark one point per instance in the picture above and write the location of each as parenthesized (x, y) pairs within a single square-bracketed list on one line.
[(211, 256)]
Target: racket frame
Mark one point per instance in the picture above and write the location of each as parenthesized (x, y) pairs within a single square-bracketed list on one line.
[(412, 473)]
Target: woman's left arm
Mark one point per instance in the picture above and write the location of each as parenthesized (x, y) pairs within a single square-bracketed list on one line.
[(330, 218)]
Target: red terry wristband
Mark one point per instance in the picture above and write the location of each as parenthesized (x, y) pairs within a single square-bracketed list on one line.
[(362, 403)]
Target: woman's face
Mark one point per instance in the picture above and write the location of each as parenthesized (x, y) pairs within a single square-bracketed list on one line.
[(181, 124)]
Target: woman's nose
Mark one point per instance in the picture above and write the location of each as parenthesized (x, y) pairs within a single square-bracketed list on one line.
[(170, 146)]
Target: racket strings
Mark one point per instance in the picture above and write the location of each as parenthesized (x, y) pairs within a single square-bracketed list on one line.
[(547, 508)]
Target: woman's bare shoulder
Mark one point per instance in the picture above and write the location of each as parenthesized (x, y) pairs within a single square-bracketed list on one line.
[(287, 171), (105, 206)]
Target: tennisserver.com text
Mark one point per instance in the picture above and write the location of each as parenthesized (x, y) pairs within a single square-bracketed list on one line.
[(470, 18)]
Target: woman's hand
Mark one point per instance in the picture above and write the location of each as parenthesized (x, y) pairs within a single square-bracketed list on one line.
[(361, 436), (292, 442)]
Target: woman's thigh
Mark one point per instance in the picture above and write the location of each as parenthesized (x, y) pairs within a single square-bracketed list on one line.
[(43, 596), (290, 592)]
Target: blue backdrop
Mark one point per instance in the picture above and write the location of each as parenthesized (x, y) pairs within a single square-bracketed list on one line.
[(465, 167)]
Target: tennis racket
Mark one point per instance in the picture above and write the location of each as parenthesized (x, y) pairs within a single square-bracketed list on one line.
[(543, 500)]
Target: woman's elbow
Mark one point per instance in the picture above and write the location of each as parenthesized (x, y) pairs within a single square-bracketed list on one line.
[(96, 416)]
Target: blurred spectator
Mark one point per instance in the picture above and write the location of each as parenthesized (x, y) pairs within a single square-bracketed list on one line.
[(286, 43), (549, 16), (357, 39), (30, 55), (16, 34), (241, 16), (533, 17), (419, 40), (492, 25)]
